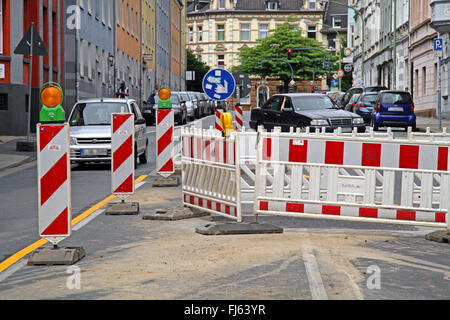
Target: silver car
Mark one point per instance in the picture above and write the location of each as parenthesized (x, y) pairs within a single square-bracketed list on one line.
[(90, 130), (189, 105)]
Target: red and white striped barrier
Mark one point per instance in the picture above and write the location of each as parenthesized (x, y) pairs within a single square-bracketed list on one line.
[(218, 124), (165, 142), (210, 172), (239, 115), (353, 178), (122, 150), (53, 163)]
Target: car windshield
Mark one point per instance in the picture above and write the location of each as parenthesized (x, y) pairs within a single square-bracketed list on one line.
[(185, 97), (370, 98), (95, 114), (395, 98), (302, 103)]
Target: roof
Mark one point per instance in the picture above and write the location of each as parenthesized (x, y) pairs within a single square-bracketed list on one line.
[(246, 5)]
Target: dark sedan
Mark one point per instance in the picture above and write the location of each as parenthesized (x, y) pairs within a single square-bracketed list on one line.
[(301, 110), (178, 106)]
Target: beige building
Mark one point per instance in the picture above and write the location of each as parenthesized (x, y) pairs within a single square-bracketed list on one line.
[(423, 62), (218, 29)]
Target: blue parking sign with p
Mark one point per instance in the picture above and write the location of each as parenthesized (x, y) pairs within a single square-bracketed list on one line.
[(438, 44)]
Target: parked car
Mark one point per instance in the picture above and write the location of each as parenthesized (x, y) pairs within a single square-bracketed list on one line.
[(202, 104), (90, 130), (352, 102), (394, 109), (355, 90), (364, 105), (210, 104), (148, 110), (190, 106), (195, 103), (303, 110), (336, 96), (178, 107)]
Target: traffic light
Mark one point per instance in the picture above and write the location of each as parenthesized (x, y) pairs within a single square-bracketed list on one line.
[(164, 99), (51, 96), (289, 53)]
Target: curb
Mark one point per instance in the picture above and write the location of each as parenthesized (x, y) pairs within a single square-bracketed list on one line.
[(18, 164)]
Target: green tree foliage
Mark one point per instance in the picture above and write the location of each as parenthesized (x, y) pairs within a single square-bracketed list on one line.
[(305, 63), (200, 68)]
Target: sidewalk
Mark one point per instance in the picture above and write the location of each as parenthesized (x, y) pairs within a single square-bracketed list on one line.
[(433, 123), (9, 157)]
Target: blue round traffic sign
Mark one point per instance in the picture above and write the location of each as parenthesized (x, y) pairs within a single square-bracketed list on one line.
[(219, 84)]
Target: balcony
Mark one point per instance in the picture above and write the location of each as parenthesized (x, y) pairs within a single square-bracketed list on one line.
[(440, 15)]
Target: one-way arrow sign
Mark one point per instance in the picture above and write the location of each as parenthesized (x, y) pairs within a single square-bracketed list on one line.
[(31, 37)]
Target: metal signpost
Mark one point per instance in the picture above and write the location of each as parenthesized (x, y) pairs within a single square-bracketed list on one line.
[(438, 44)]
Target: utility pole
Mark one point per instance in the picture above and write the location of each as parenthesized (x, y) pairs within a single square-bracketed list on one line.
[(394, 47)]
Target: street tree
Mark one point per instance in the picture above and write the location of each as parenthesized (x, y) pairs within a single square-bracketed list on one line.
[(200, 68), (305, 63)]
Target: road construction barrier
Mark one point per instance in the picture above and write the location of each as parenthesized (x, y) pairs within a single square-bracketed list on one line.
[(239, 116), (122, 151), (53, 164), (165, 142), (218, 114), (210, 172), (341, 178)]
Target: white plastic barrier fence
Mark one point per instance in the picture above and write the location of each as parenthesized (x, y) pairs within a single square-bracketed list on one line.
[(210, 172), (350, 165)]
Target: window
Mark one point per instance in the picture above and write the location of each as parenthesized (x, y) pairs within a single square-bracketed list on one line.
[(312, 32), (191, 34), (221, 32), (245, 32), (337, 22), (200, 34), (221, 4), (272, 5), (221, 61), (3, 101), (424, 80), (263, 31), (312, 4)]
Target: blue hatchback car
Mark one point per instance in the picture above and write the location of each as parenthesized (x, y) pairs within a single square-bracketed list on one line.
[(393, 109)]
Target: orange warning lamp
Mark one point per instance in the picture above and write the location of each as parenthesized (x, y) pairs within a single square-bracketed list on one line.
[(164, 99), (51, 95)]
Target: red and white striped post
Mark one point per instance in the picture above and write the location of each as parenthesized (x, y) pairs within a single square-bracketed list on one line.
[(164, 142), (218, 115), (122, 153), (239, 118), (53, 163)]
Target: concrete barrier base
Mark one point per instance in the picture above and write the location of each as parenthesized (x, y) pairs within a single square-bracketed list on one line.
[(442, 236), (56, 256), (234, 228), (122, 209), (173, 214), (27, 146), (172, 181)]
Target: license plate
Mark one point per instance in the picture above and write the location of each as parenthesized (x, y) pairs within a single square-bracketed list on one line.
[(396, 109), (94, 152)]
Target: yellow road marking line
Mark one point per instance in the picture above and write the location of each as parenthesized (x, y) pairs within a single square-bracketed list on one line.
[(22, 253)]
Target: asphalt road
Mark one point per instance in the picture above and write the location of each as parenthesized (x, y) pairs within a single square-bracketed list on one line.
[(180, 265)]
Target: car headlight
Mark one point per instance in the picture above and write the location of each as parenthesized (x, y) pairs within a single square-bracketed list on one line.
[(73, 141), (358, 120), (319, 122)]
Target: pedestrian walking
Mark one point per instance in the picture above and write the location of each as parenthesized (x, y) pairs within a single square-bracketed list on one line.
[(123, 92)]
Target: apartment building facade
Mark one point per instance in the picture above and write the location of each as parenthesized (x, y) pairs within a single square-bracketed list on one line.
[(218, 29), (48, 17)]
